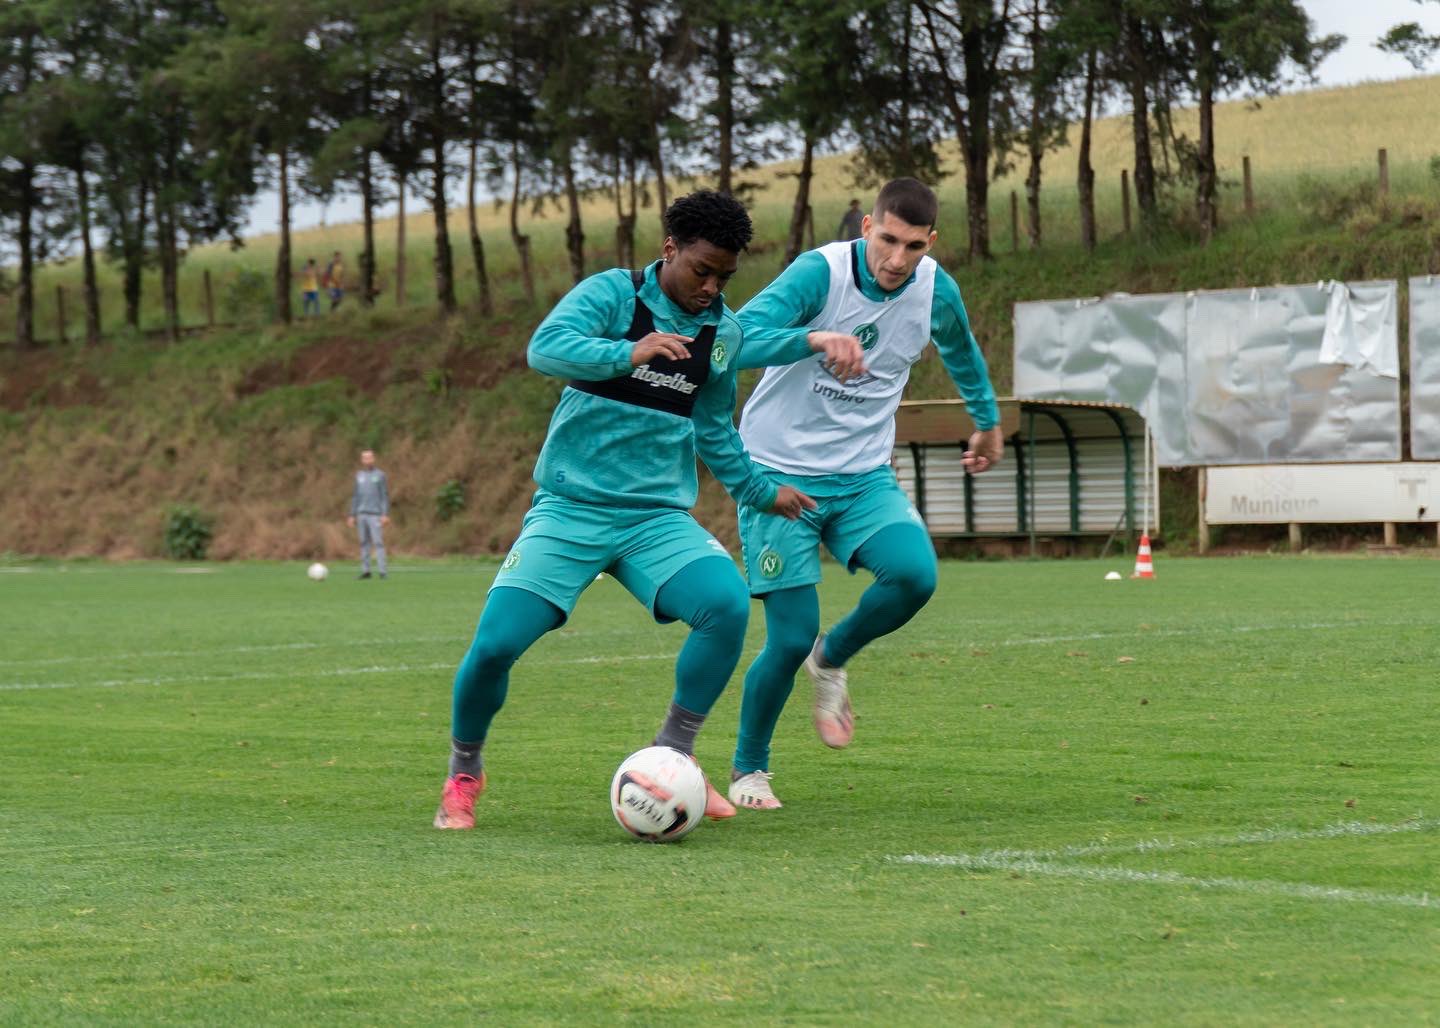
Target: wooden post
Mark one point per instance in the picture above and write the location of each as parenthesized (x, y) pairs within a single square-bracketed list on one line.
[(60, 312), (1295, 537), (1014, 222), (1202, 535), (1390, 537), (1125, 197), (1249, 187), (209, 301), (1384, 159)]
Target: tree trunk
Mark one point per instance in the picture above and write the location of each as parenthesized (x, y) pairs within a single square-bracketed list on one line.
[(444, 256), (133, 252), (25, 301), (725, 104), (979, 88), (367, 255), (1032, 195), (282, 259), (657, 165), (169, 269), (798, 213), (521, 241), (91, 289), (400, 296), (574, 232), (477, 244), (1085, 177), (1145, 197), (624, 221), (1205, 185)]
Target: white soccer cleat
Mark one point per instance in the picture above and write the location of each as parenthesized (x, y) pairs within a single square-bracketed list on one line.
[(834, 721), (753, 792)]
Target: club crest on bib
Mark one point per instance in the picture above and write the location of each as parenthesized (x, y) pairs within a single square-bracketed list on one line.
[(771, 563), (868, 335), (511, 560)]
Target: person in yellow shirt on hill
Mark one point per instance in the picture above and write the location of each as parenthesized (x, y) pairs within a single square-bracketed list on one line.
[(310, 288)]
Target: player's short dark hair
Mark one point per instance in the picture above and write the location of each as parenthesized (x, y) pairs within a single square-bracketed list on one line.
[(910, 200), (717, 218)]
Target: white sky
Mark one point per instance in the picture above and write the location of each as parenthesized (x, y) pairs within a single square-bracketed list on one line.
[(1362, 22)]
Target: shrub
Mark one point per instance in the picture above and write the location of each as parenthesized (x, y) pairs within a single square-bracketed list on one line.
[(249, 298), (449, 500), (188, 532), (1335, 203)]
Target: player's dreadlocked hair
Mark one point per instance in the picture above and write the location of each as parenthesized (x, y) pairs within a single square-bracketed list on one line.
[(714, 217)]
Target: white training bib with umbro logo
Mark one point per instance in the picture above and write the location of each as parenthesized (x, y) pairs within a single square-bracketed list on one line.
[(803, 421)]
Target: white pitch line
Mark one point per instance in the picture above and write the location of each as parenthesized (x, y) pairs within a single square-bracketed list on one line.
[(264, 676), (1262, 836), (1259, 886), (1172, 633)]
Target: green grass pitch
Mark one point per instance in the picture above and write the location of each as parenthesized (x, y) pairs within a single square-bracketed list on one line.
[(1213, 798)]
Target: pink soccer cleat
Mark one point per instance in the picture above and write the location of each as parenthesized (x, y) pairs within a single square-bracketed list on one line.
[(457, 801), (717, 807)]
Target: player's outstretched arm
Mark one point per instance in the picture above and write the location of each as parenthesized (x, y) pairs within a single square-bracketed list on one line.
[(776, 320), (960, 353), (718, 444), (581, 337)]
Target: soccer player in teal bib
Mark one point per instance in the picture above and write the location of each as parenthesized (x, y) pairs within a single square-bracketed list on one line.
[(651, 361), (831, 435)]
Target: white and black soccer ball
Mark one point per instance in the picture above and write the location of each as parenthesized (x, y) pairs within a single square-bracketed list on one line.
[(658, 794), (317, 572)]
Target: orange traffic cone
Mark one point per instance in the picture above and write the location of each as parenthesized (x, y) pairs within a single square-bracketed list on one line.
[(1143, 567)]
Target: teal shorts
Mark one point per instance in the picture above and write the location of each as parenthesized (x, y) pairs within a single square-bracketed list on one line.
[(781, 554), (564, 544)]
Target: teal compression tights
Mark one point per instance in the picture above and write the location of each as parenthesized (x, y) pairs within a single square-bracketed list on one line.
[(903, 562), (708, 595)]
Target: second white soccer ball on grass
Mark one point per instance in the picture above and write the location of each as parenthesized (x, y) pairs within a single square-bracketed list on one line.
[(317, 572), (658, 794)]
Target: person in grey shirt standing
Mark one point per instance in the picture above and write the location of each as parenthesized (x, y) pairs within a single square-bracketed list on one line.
[(370, 512)]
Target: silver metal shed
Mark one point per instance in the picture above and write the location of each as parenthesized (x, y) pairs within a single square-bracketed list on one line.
[(1070, 469)]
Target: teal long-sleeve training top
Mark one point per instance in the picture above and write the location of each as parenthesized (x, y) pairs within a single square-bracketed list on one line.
[(604, 451)]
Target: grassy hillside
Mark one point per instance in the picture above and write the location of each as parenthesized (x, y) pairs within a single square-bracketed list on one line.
[(258, 425)]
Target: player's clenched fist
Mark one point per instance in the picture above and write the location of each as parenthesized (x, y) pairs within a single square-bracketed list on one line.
[(984, 452), (844, 356), (790, 503), (660, 344)]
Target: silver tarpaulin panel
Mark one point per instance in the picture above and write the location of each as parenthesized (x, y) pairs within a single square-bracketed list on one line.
[(1231, 376), (1122, 349), (1425, 367)]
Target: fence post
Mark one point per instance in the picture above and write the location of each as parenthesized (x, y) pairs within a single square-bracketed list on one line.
[(60, 312), (209, 301), (1014, 222), (1249, 187), (1202, 532), (1125, 197), (1384, 159)]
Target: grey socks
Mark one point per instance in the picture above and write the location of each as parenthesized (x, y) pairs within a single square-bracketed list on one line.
[(466, 758), (679, 730)]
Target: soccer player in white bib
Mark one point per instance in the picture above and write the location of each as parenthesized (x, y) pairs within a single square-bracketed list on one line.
[(831, 436)]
